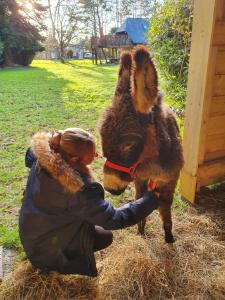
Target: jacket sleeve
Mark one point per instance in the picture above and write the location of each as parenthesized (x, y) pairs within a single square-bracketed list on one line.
[(95, 210), (29, 158)]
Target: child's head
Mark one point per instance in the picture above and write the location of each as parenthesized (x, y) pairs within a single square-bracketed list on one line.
[(75, 145)]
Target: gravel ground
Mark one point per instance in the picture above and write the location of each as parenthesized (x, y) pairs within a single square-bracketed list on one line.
[(7, 260)]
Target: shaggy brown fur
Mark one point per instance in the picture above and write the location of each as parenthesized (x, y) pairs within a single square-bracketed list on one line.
[(140, 127)]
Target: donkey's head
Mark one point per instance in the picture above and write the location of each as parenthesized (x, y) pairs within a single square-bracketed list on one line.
[(122, 134)]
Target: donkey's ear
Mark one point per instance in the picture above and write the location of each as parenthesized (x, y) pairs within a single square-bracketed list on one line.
[(144, 81), (123, 83), (125, 64)]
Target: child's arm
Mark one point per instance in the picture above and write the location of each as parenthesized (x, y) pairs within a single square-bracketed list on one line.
[(29, 158), (94, 209)]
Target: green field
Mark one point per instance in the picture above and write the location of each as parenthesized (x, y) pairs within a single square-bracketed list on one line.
[(48, 95)]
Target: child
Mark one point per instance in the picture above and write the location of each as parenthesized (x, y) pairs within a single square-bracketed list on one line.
[(64, 217)]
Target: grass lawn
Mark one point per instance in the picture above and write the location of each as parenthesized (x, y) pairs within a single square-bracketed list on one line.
[(48, 95)]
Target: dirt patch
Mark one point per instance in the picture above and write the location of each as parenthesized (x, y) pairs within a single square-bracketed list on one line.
[(8, 258)]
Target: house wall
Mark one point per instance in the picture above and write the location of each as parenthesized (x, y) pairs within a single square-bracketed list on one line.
[(204, 129)]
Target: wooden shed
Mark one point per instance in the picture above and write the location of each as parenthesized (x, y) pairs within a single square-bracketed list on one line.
[(204, 127)]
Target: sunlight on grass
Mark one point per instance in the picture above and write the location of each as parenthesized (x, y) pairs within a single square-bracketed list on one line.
[(46, 96)]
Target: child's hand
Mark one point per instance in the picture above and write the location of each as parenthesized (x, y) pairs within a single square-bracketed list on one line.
[(152, 198), (152, 184), (99, 155)]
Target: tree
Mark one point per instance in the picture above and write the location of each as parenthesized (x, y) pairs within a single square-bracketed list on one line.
[(170, 38), (20, 26), (64, 16), (136, 9), (113, 30), (96, 13)]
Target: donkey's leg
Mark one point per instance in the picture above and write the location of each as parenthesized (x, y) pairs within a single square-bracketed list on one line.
[(166, 199), (165, 212), (140, 188)]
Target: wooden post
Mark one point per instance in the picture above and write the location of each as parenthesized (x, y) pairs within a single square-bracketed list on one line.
[(93, 55), (96, 56), (198, 93), (104, 54)]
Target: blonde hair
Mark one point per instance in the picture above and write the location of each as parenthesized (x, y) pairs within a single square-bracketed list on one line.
[(72, 142)]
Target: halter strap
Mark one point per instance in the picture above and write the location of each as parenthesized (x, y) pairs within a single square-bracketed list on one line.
[(152, 184), (131, 170)]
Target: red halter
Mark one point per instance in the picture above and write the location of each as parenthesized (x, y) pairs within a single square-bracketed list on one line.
[(130, 170), (152, 184)]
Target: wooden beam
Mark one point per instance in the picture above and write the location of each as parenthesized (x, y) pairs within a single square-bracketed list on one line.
[(197, 78), (211, 172), (199, 93), (217, 106), (207, 104), (215, 142), (188, 185), (219, 85), (216, 125), (215, 147), (219, 36), (209, 156), (220, 63), (220, 15)]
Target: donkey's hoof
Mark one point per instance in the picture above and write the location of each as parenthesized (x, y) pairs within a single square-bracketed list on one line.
[(169, 238)]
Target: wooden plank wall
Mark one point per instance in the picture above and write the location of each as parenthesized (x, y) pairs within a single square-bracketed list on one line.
[(204, 128), (215, 139)]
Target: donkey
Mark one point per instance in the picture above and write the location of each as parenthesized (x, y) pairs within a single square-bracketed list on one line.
[(140, 137)]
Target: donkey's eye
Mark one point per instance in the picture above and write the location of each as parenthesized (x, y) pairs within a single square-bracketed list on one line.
[(129, 149)]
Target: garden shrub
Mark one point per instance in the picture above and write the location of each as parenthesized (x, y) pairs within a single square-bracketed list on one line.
[(20, 34), (170, 40), (69, 54)]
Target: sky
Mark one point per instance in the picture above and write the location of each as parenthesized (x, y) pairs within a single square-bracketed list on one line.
[(107, 25)]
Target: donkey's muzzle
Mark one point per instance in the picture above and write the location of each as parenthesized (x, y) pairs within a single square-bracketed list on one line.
[(113, 184), (115, 192)]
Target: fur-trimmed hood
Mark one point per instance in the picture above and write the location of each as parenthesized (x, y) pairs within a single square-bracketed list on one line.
[(53, 162)]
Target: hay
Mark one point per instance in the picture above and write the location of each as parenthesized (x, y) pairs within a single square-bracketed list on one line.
[(147, 268), (25, 283), (143, 268)]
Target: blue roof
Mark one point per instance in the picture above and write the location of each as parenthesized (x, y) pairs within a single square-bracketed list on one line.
[(136, 28)]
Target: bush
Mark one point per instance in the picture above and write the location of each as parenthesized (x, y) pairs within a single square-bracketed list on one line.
[(23, 48), (69, 54), (20, 34), (170, 39)]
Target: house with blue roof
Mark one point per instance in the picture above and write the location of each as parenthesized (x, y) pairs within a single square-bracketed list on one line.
[(135, 29), (131, 33)]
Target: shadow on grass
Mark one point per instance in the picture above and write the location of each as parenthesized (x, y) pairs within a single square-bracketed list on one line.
[(105, 70), (33, 97), (30, 100), (39, 98)]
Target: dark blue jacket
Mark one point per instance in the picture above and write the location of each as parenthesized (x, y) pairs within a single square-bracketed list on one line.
[(56, 227)]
